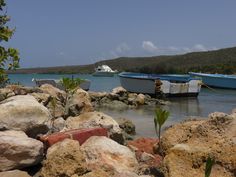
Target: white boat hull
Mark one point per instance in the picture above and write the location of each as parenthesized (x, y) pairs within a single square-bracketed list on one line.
[(148, 86)]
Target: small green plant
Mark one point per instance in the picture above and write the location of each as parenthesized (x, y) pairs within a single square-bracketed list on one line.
[(54, 106), (209, 163), (160, 117), (71, 84)]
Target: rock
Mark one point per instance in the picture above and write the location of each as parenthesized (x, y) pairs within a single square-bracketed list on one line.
[(43, 98), (53, 92), (96, 119), (187, 151), (98, 173), (129, 174), (132, 97), (126, 125), (64, 159), (119, 90), (103, 152), (140, 99), (58, 124), (144, 144), (14, 173), (149, 162), (18, 150), (79, 103), (21, 90), (115, 105), (6, 93), (97, 95), (24, 113), (56, 108)]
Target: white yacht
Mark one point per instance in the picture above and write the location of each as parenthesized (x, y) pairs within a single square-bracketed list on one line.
[(104, 71)]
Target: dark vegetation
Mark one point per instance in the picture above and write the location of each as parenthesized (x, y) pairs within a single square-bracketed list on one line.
[(218, 61)]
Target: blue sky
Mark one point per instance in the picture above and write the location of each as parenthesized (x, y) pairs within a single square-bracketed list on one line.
[(75, 32)]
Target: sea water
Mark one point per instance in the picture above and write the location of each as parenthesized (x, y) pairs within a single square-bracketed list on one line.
[(208, 101)]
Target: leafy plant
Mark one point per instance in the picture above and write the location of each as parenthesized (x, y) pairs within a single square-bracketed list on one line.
[(160, 117), (71, 84), (209, 163), (53, 102), (9, 57)]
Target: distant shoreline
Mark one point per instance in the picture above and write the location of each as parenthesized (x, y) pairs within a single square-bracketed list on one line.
[(217, 61)]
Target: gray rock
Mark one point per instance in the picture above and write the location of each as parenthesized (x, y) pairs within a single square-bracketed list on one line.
[(79, 103), (18, 150), (126, 125), (23, 112), (58, 124)]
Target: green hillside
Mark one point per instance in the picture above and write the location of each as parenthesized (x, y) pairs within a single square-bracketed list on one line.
[(218, 61)]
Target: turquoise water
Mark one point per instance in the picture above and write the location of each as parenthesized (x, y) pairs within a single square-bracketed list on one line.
[(180, 108)]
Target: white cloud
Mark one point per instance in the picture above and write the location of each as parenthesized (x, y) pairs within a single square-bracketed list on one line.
[(121, 50), (150, 47)]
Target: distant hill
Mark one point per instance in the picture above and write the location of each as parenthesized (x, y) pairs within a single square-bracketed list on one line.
[(218, 61)]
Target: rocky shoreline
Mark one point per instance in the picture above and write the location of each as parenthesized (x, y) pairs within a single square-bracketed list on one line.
[(28, 113)]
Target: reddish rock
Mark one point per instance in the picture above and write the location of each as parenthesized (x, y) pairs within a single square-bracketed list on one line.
[(143, 148), (144, 144), (80, 135)]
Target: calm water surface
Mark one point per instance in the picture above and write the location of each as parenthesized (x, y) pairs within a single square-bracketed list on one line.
[(180, 108)]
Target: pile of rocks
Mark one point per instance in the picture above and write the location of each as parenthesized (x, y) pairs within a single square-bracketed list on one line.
[(120, 99), (28, 112)]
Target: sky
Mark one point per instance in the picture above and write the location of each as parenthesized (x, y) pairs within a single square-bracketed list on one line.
[(77, 32)]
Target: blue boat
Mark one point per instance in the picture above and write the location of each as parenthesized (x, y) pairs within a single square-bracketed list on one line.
[(216, 80), (154, 84)]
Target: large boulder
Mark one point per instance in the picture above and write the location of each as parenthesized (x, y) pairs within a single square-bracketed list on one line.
[(18, 150), (14, 173), (96, 119), (64, 159), (187, 146), (79, 103), (23, 112), (103, 152)]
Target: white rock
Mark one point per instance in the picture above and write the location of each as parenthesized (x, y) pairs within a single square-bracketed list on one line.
[(23, 112), (18, 150), (102, 151)]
